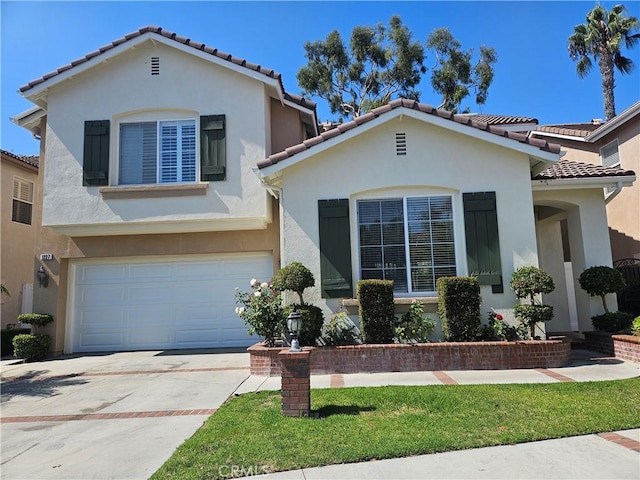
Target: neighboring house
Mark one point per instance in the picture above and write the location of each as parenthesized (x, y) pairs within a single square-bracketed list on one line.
[(161, 196), (615, 143), (19, 174)]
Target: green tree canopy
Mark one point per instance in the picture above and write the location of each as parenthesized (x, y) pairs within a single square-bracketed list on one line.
[(602, 37), (379, 64), (384, 62), (453, 76)]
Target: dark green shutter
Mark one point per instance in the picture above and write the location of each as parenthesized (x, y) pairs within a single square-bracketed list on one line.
[(213, 153), (335, 249), (483, 244), (95, 162)]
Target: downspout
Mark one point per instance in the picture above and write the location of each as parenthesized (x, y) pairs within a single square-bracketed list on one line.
[(613, 194)]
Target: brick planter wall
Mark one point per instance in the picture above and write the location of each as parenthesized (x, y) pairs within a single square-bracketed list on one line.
[(421, 357), (626, 347), (600, 342)]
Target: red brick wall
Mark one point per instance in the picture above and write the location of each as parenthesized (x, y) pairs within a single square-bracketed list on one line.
[(295, 383), (600, 342), (422, 357), (627, 347)]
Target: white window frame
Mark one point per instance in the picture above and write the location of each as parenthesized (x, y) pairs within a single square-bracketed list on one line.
[(158, 152), (602, 156), (31, 190), (410, 292)]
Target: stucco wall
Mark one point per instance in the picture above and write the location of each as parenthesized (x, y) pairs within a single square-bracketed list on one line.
[(18, 240), (438, 161), (123, 89), (286, 127)]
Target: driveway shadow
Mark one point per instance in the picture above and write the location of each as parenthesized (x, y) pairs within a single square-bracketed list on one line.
[(36, 384)]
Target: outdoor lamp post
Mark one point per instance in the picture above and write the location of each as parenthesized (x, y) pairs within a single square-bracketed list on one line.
[(294, 322)]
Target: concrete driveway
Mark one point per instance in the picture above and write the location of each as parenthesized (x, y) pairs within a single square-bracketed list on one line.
[(118, 415)]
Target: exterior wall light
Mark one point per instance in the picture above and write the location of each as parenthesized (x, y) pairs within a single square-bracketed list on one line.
[(294, 322), (43, 277)]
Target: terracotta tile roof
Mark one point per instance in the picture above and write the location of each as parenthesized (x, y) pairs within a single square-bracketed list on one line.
[(569, 169), (569, 129), (183, 40), (33, 160), (500, 119), (414, 105)]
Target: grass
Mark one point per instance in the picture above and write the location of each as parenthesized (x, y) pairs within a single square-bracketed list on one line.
[(249, 434)]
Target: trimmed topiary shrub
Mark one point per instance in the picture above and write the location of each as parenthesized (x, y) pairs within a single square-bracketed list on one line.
[(459, 308), (31, 347), (35, 319), (295, 277), (6, 338), (312, 321), (377, 310), (601, 280), (613, 322), (527, 283)]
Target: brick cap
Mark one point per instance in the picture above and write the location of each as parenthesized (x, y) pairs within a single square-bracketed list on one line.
[(303, 355)]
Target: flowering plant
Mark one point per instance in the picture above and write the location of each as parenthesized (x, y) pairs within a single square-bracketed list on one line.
[(415, 326), (498, 329), (261, 309)]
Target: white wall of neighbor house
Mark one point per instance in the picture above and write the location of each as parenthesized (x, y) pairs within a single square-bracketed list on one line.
[(123, 89), (438, 161), (588, 241)]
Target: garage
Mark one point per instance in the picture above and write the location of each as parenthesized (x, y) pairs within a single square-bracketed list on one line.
[(160, 303)]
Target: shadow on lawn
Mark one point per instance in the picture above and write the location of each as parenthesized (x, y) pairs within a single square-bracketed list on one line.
[(329, 410)]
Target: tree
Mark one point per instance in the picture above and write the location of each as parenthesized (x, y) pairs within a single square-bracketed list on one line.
[(453, 76), (295, 277), (602, 37), (528, 283), (380, 63), (601, 280)]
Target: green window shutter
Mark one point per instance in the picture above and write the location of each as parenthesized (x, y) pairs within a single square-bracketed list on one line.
[(483, 243), (335, 248), (95, 162), (213, 152)]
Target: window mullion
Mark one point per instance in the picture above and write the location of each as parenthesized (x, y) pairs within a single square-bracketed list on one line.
[(158, 152), (179, 152), (407, 246)]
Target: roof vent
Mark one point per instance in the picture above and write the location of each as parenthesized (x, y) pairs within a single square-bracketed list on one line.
[(401, 143), (596, 121), (155, 65)]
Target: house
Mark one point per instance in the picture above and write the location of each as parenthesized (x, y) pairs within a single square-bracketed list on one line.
[(615, 143), (19, 174), (161, 196)]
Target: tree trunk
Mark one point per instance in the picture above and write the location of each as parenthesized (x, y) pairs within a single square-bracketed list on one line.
[(606, 70), (604, 304)]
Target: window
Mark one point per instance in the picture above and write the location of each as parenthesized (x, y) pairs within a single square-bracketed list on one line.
[(408, 240), (609, 154), (22, 201), (158, 152)]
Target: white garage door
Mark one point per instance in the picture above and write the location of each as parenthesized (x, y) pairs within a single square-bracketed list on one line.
[(161, 303)]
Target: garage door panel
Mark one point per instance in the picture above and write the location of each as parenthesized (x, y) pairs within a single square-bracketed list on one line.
[(158, 303), (94, 295)]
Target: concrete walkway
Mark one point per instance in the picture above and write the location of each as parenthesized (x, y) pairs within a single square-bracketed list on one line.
[(122, 415)]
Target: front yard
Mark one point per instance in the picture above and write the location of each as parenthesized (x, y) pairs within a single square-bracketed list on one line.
[(249, 434)]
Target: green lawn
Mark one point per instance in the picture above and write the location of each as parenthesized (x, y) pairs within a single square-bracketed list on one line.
[(356, 424)]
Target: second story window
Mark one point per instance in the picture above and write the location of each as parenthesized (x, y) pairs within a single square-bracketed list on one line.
[(157, 152), (22, 210), (610, 155)]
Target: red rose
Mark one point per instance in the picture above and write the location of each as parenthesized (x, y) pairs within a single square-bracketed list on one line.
[(498, 317)]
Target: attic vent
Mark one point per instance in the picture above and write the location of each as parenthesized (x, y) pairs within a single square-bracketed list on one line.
[(401, 143), (155, 65)]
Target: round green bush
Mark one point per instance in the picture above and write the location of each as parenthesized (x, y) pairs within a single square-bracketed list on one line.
[(31, 347), (295, 277), (612, 322), (635, 327), (35, 319), (601, 280)]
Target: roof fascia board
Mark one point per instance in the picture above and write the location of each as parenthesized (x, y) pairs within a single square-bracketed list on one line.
[(30, 119), (36, 92), (537, 133), (399, 112), (577, 183), (614, 123)]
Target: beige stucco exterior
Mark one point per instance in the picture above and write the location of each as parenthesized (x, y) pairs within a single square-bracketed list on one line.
[(18, 239)]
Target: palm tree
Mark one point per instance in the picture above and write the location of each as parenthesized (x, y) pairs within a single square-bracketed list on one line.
[(4, 289), (602, 37)]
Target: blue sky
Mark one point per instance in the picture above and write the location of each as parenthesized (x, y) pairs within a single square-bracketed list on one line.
[(534, 75)]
